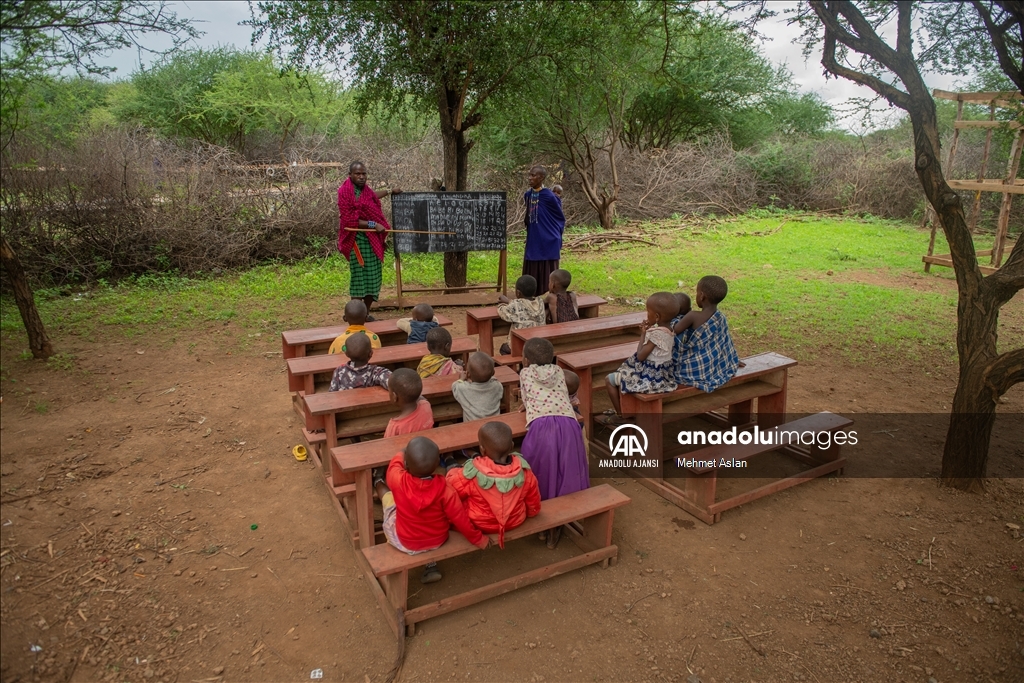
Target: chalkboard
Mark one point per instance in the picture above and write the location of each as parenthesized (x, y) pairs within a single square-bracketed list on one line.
[(476, 219)]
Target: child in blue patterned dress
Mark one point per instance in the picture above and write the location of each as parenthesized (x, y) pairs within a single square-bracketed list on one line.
[(704, 356), (650, 369)]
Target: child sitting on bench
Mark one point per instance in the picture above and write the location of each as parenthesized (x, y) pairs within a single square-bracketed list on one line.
[(554, 443), (405, 388), (704, 355), (419, 506), (561, 303), (421, 322), (357, 372), (439, 359), (477, 391), (355, 316), (525, 311), (650, 369), (497, 487)]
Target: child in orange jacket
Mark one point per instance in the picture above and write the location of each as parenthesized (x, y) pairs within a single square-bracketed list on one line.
[(498, 487)]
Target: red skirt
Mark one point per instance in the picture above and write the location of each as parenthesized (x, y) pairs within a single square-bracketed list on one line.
[(541, 271)]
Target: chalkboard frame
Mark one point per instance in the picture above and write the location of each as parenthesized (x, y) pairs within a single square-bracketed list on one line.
[(502, 280)]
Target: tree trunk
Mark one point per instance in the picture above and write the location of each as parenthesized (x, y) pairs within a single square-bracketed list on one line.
[(984, 374), (456, 171), (37, 339)]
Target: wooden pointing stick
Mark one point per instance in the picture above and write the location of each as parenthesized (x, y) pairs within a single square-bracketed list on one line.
[(406, 232)]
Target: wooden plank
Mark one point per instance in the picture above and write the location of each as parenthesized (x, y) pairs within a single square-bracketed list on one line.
[(1006, 95), (491, 312), (590, 332), (1008, 125), (776, 486), (988, 185), (755, 366), (947, 260), (296, 343), (471, 597), (554, 512), (360, 456), (301, 369), (352, 399)]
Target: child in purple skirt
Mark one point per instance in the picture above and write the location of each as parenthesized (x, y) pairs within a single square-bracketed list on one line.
[(553, 445)]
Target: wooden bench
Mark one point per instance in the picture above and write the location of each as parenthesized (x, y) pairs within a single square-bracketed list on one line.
[(304, 372), (317, 340), (352, 465), (697, 494), (583, 334), (360, 412), (595, 507), (486, 322), (764, 377)]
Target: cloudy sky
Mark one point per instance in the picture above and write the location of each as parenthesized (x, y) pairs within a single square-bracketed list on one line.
[(220, 21)]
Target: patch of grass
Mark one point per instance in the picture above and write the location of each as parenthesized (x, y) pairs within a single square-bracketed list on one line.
[(42, 407), (64, 362), (797, 282)]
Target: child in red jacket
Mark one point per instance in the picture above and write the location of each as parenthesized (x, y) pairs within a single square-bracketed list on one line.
[(499, 489), (419, 506)]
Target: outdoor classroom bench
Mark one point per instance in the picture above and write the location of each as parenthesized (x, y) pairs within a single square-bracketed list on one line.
[(360, 412), (594, 507), (765, 373), (486, 322), (302, 372), (352, 466), (317, 340), (578, 335)]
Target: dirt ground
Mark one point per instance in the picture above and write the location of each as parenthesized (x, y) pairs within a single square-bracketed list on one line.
[(156, 528)]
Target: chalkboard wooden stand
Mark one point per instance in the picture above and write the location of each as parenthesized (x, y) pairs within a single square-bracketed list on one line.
[(449, 222)]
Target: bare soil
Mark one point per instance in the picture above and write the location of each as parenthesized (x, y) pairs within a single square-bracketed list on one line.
[(157, 528)]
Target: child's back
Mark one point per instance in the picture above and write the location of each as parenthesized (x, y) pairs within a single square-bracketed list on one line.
[(525, 311), (478, 392), (498, 487), (357, 373), (355, 316), (438, 360), (704, 355), (421, 322), (560, 301), (405, 388), (420, 506), (554, 444)]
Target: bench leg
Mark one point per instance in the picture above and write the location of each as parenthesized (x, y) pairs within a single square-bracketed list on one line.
[(596, 533), (771, 410), (364, 508), (740, 413)]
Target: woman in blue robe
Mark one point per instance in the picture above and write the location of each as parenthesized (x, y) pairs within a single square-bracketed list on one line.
[(545, 224)]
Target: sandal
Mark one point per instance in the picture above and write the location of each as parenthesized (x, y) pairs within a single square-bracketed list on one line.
[(610, 418), (431, 574), (300, 453)]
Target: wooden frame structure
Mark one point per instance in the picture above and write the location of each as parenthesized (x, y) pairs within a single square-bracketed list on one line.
[(501, 286), (1008, 186)]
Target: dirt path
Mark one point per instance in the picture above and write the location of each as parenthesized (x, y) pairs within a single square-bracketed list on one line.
[(156, 528)]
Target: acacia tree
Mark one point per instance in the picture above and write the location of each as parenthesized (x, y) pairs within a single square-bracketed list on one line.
[(45, 36), (456, 58), (945, 37)]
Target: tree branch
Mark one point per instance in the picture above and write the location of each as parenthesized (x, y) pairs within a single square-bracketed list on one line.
[(1004, 372), (904, 42), (998, 35), (894, 95)]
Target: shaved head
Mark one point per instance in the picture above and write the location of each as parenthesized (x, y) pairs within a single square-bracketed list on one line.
[(406, 385), (714, 288), (422, 457), (358, 347), (355, 312), (496, 440), (664, 304), (481, 367)]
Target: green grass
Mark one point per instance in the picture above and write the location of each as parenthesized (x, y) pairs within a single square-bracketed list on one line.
[(780, 291)]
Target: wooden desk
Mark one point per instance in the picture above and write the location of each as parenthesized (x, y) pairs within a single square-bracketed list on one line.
[(486, 322), (360, 412), (316, 340), (302, 371), (355, 462), (583, 334)]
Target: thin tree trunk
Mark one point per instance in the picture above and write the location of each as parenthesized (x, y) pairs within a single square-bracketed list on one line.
[(38, 342), (456, 164)]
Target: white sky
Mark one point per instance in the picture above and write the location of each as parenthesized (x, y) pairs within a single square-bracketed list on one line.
[(220, 21)]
